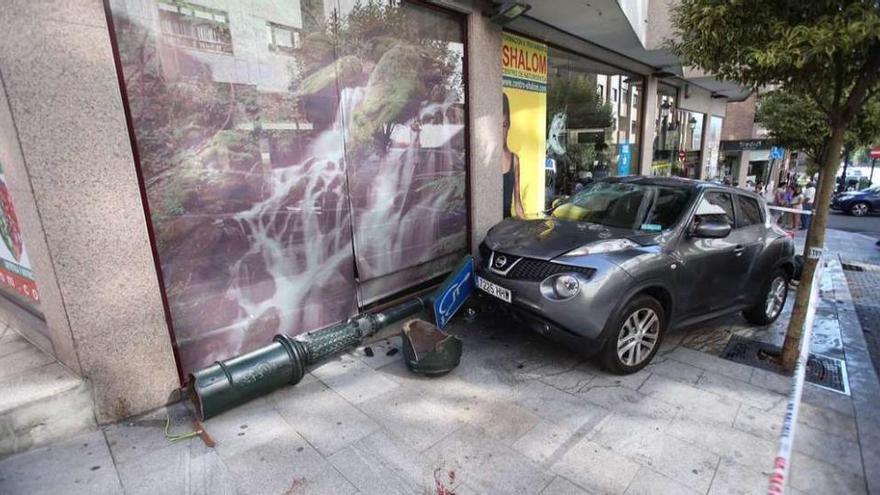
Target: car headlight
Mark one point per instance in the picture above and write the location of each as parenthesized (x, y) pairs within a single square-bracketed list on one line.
[(566, 286), (600, 247)]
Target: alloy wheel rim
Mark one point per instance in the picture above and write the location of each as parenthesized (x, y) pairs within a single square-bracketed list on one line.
[(775, 297), (860, 209), (638, 337)]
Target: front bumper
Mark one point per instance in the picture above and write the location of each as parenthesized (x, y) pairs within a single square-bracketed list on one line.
[(579, 322)]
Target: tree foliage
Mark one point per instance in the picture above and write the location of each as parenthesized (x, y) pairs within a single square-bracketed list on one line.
[(577, 98), (828, 51), (796, 122)]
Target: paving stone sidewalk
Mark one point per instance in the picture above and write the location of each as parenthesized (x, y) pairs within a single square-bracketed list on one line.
[(519, 415)]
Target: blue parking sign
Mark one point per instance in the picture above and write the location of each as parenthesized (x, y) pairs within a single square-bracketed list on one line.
[(454, 291), (776, 153)]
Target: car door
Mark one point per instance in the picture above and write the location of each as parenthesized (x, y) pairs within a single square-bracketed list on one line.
[(874, 197), (706, 276), (750, 237)]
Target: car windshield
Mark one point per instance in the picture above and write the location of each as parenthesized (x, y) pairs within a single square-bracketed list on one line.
[(626, 205)]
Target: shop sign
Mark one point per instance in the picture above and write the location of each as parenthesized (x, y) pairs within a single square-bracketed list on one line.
[(524, 70), (15, 266), (746, 145)]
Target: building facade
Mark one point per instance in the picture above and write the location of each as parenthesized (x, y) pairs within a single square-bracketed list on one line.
[(747, 152), (185, 179)]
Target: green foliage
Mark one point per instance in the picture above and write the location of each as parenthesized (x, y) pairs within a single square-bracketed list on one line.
[(810, 47), (578, 99), (795, 121), (583, 155), (394, 49)]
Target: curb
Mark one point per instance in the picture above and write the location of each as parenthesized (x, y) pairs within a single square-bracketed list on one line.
[(863, 380)]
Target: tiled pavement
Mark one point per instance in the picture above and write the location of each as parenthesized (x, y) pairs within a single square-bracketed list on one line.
[(519, 415), (864, 282)]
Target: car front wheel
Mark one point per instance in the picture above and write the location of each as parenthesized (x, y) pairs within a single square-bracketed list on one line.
[(635, 336), (769, 306)]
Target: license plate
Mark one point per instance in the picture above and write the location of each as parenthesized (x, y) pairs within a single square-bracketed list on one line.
[(494, 289)]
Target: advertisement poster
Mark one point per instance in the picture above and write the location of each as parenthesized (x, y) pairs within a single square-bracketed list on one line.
[(624, 159), (524, 68), (301, 160), (15, 266)]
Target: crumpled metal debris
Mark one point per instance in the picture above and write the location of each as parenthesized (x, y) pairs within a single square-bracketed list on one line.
[(429, 350)]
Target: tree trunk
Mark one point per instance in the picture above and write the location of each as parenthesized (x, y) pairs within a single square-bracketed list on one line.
[(815, 238)]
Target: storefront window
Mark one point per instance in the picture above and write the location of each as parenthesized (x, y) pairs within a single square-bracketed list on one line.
[(301, 159), (691, 144), (713, 169), (667, 132), (593, 122), (678, 137)]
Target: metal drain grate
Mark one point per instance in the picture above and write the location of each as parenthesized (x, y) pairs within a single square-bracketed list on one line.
[(823, 371)]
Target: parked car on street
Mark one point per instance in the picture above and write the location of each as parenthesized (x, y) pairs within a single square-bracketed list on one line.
[(619, 263), (857, 203)]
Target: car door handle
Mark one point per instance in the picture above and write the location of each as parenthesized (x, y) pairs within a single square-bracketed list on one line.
[(738, 250)]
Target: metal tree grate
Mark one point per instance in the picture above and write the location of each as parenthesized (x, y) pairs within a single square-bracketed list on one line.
[(823, 371)]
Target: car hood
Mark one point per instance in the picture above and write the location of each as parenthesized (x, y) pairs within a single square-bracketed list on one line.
[(548, 238)]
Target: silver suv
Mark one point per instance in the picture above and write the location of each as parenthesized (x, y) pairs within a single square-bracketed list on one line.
[(616, 265)]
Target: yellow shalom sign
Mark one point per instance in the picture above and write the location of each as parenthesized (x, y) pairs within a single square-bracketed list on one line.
[(524, 67), (524, 59)]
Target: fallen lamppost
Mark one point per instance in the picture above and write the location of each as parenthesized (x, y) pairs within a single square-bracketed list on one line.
[(234, 381)]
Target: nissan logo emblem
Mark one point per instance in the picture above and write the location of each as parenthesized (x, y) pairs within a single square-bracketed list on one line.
[(500, 261)]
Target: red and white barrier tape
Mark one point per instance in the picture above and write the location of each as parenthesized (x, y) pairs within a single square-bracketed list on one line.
[(790, 210), (786, 437)]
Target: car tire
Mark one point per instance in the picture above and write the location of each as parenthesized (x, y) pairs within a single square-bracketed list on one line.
[(859, 209), (641, 325), (760, 313)]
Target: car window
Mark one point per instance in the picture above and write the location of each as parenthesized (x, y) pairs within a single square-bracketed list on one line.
[(716, 207), (750, 211)]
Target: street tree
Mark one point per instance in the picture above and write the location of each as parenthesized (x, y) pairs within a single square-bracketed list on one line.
[(796, 122), (827, 51)]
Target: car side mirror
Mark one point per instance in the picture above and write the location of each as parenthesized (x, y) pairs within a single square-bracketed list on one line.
[(711, 229)]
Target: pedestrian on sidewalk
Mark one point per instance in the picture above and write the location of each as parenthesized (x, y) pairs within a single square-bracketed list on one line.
[(796, 202), (809, 199), (779, 194)]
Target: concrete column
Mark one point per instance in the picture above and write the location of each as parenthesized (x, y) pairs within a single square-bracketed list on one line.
[(86, 227), (743, 170), (705, 154), (649, 126), (485, 120)]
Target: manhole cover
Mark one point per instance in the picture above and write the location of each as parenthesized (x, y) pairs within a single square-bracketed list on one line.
[(823, 371)]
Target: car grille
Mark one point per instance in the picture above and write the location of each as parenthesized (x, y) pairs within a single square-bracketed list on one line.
[(530, 268)]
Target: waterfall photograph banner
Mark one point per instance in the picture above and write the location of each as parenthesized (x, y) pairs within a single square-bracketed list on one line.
[(524, 69), (301, 160)]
